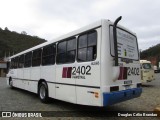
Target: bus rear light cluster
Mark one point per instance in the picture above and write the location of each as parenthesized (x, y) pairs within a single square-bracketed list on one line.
[(123, 73)]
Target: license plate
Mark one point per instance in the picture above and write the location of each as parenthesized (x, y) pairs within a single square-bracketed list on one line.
[(127, 87), (128, 82)]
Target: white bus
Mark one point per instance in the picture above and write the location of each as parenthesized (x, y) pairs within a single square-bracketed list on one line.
[(97, 65), (147, 71)]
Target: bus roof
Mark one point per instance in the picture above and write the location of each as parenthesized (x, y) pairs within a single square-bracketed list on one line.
[(73, 33)]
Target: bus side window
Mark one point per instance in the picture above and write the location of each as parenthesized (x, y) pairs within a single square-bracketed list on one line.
[(16, 63), (92, 46), (48, 54), (36, 57), (71, 50), (12, 63), (28, 57), (87, 47), (66, 51), (61, 52), (21, 61)]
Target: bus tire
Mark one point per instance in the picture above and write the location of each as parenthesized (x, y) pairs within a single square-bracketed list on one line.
[(11, 83), (43, 92)]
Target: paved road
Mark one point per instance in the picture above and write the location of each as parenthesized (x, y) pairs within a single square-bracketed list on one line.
[(20, 100)]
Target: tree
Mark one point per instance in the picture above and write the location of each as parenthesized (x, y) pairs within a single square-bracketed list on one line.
[(24, 32), (6, 29)]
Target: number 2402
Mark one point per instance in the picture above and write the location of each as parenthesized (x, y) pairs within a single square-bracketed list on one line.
[(84, 70)]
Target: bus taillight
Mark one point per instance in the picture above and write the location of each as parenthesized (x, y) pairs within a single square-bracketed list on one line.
[(123, 73)]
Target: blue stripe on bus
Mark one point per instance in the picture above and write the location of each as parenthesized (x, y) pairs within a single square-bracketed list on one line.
[(119, 96)]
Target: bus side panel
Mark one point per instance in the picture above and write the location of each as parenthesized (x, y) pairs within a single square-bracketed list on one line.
[(31, 86), (51, 90), (20, 73), (27, 73), (90, 80), (16, 83), (66, 93), (20, 76), (27, 76), (88, 96), (65, 87), (48, 73), (35, 73)]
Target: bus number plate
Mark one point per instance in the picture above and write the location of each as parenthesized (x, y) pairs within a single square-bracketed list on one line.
[(128, 82)]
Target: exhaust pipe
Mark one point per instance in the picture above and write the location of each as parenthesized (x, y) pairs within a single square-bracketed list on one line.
[(115, 39)]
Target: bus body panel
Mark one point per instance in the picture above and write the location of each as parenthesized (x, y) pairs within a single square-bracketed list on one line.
[(66, 93), (30, 86), (20, 73), (51, 89), (27, 73), (106, 59), (16, 83), (88, 96), (65, 87), (48, 73), (35, 73)]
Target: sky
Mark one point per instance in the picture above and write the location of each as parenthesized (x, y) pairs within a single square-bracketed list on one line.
[(49, 19)]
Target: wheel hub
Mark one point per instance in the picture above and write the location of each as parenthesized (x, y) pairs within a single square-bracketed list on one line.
[(42, 92)]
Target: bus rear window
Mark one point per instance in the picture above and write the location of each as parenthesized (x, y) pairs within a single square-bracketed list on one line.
[(127, 44)]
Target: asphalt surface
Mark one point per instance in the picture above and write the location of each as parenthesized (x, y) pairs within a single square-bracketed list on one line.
[(20, 100)]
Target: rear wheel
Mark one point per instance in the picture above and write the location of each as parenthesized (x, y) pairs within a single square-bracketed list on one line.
[(43, 92)]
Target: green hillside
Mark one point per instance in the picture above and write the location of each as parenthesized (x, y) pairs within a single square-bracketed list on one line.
[(14, 42), (151, 52)]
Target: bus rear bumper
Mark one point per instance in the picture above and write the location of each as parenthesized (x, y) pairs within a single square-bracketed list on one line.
[(119, 96)]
